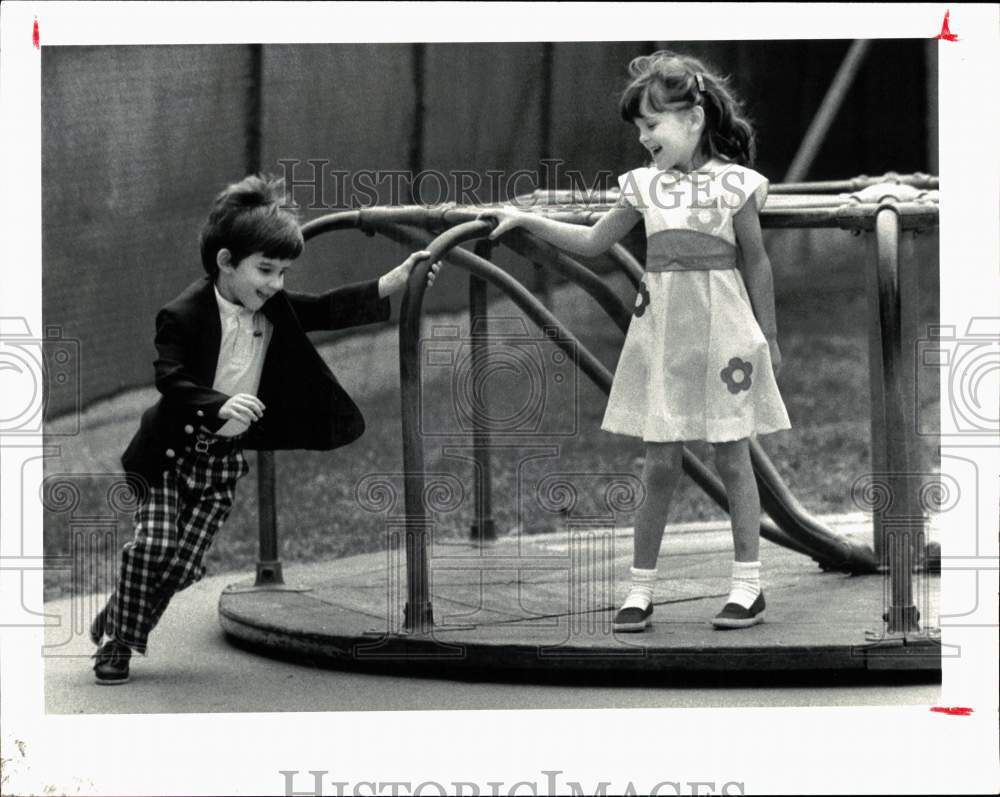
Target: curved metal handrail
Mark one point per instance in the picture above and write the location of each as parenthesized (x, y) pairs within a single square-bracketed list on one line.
[(627, 263), (538, 313), (532, 248), (829, 549), (410, 376), (793, 527)]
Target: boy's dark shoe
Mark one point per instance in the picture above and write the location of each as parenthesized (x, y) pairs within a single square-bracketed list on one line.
[(735, 616), (632, 618), (98, 625), (111, 666)]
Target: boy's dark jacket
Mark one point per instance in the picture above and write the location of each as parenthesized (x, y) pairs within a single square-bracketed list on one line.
[(304, 404)]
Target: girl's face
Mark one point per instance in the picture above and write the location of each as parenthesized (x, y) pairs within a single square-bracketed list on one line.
[(252, 281), (671, 136)]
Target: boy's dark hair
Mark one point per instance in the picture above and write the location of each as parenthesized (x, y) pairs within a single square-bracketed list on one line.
[(249, 217)]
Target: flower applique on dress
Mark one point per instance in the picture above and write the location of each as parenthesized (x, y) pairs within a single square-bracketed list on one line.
[(709, 220), (736, 375)]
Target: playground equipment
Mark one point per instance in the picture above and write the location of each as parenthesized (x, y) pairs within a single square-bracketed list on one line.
[(890, 207)]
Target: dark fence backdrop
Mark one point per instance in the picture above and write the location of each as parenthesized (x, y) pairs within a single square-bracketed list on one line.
[(137, 140)]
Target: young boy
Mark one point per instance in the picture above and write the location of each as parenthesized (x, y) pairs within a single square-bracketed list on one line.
[(236, 371)]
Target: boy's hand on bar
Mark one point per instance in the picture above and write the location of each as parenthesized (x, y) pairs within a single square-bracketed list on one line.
[(393, 281)]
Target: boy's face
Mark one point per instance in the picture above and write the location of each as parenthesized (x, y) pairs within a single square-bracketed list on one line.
[(252, 281)]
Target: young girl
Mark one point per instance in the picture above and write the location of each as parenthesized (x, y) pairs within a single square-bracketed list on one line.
[(701, 352)]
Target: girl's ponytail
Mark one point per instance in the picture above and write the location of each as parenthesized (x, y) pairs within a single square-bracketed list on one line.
[(727, 130)]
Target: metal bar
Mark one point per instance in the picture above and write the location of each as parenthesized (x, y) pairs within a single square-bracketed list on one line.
[(627, 264), (876, 394), (269, 565), (827, 547), (418, 614), (924, 182), (820, 125), (831, 211), (907, 526), (909, 323), (534, 309), (418, 54), (542, 285), (545, 254), (483, 528), (587, 198), (909, 326)]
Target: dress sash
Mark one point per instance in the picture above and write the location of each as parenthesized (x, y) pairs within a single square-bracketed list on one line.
[(688, 250)]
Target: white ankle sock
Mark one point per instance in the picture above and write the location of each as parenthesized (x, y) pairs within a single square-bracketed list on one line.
[(640, 594), (745, 584)]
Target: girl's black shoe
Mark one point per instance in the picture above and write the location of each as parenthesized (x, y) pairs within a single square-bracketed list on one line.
[(735, 616), (632, 618)]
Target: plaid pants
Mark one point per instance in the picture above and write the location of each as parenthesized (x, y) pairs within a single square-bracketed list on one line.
[(173, 532)]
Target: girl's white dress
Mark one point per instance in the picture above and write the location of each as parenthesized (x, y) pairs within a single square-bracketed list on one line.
[(695, 364)]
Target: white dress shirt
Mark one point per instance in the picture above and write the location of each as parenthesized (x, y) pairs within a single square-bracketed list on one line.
[(245, 337)]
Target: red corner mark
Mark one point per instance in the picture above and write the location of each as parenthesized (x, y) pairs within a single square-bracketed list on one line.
[(946, 34), (957, 711), (34, 34)]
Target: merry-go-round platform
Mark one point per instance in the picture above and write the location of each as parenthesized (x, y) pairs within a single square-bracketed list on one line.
[(535, 606)]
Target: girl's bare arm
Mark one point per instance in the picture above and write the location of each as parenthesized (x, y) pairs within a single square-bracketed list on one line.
[(577, 238), (757, 273)]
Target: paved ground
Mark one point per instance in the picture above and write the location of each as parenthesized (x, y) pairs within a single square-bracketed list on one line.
[(535, 625)]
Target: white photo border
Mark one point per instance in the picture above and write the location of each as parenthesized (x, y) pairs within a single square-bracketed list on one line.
[(847, 750)]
